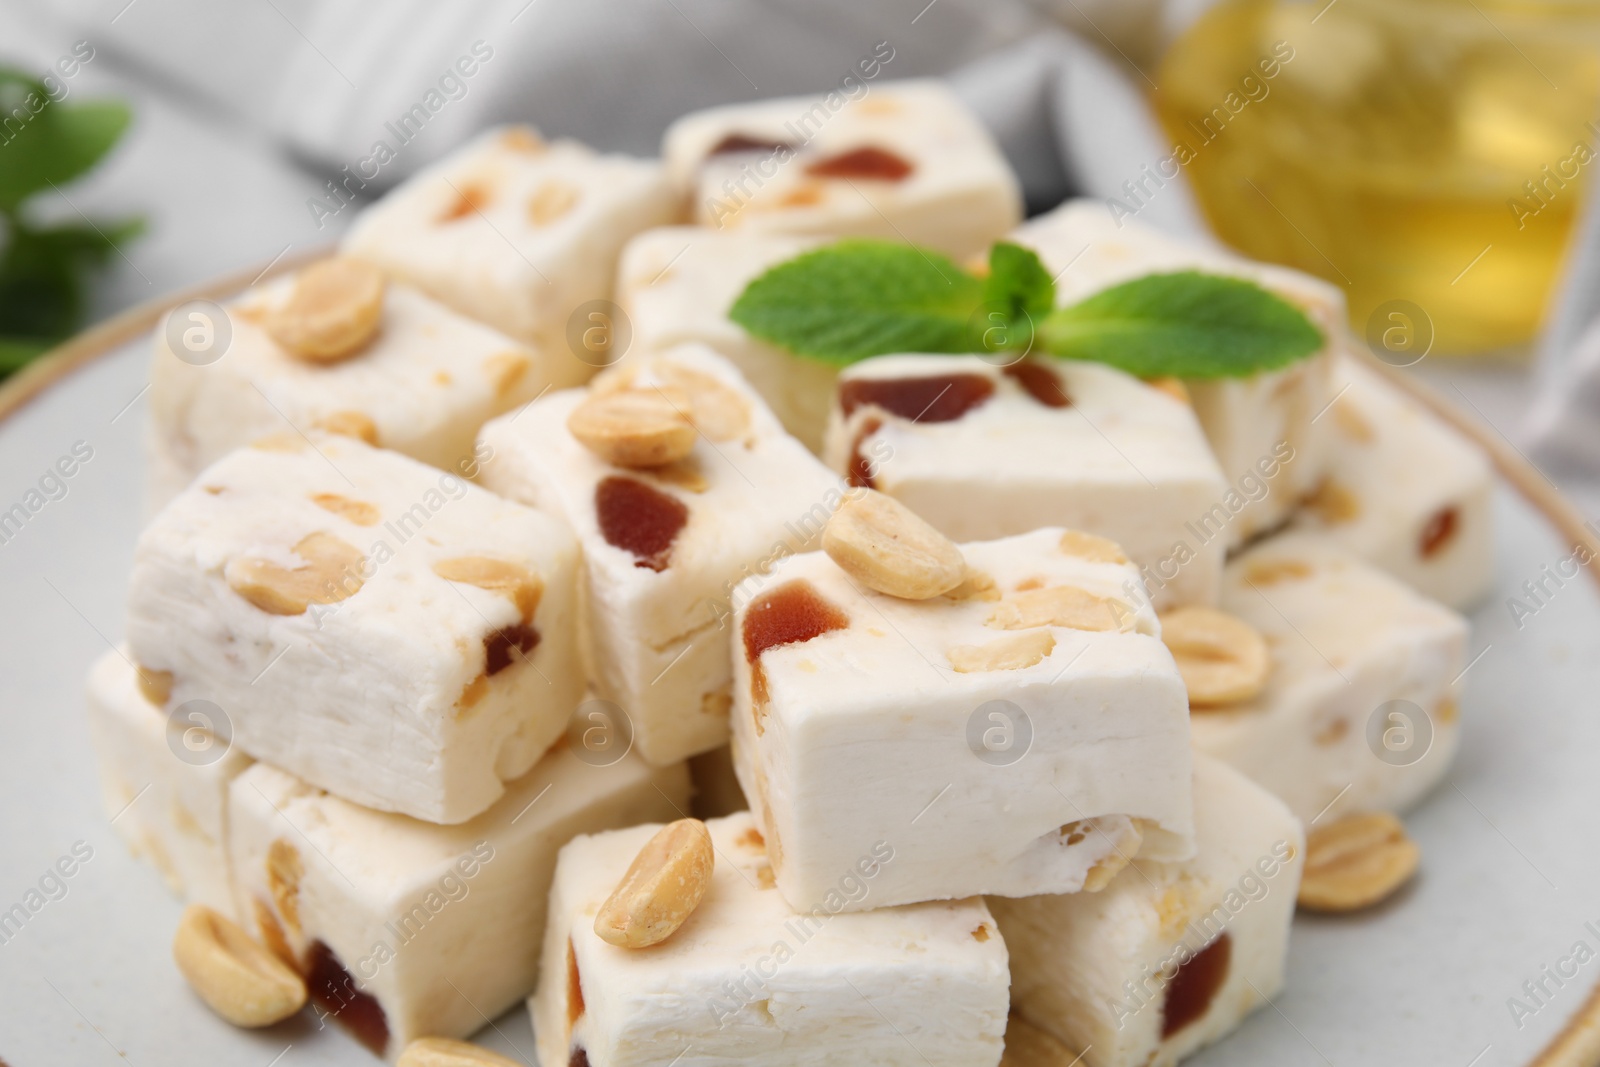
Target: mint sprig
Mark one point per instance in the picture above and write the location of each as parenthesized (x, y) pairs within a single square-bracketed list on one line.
[(861, 298), (44, 267)]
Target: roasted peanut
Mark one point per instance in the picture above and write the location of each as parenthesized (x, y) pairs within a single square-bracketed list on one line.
[(1090, 547), (1356, 862), (634, 427), (155, 686), (550, 202), (714, 408), (1334, 503), (1126, 841), (350, 424), (236, 977), (885, 546), (661, 889), (1061, 605), (333, 311), (1223, 659), (332, 573), (1010, 653), (515, 580), (444, 1052), (357, 511)]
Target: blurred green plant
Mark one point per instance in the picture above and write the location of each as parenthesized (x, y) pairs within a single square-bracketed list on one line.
[(44, 268)]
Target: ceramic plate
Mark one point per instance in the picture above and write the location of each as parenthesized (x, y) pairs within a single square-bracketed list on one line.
[(1491, 957)]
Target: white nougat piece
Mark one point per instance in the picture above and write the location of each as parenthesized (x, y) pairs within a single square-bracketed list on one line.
[(421, 386), (165, 780), (983, 451), (1022, 734), (664, 547), (677, 283), (905, 161), (424, 626), (521, 234), (1360, 707), (749, 980), (405, 929), (1272, 446), (1170, 956), (1405, 491)]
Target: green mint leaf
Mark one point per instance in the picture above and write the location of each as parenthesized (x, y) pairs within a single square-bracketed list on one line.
[(1017, 295), (87, 243), (1018, 283), (860, 298), (39, 298), (1186, 325), (42, 274), (17, 352), (57, 143), (40, 292)]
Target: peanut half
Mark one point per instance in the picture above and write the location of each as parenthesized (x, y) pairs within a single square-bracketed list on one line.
[(155, 686), (445, 1052), (236, 977), (1061, 605), (333, 311), (551, 201), (515, 580), (1125, 846), (635, 427), (1223, 659), (885, 546), (1334, 503), (332, 573), (350, 424), (715, 408), (1356, 862), (1091, 547), (1013, 652), (357, 511), (662, 888)]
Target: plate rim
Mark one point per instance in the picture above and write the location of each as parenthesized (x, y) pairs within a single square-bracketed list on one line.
[(1577, 1044)]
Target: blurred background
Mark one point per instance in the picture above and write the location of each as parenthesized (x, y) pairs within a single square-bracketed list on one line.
[(1431, 157)]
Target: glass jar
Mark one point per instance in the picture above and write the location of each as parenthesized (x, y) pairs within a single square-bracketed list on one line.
[(1422, 153)]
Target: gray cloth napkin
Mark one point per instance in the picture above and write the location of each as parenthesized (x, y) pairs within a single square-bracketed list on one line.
[(1563, 427), (331, 81)]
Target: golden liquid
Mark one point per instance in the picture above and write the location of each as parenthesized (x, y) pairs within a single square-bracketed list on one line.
[(1390, 149)]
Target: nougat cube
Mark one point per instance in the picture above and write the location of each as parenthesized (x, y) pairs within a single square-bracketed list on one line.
[(164, 777), (421, 386), (1169, 957), (1405, 491), (663, 548), (424, 625), (677, 284), (749, 980), (1026, 733), (1360, 709), (1265, 429), (406, 929), (905, 161), (521, 234), (984, 451)]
